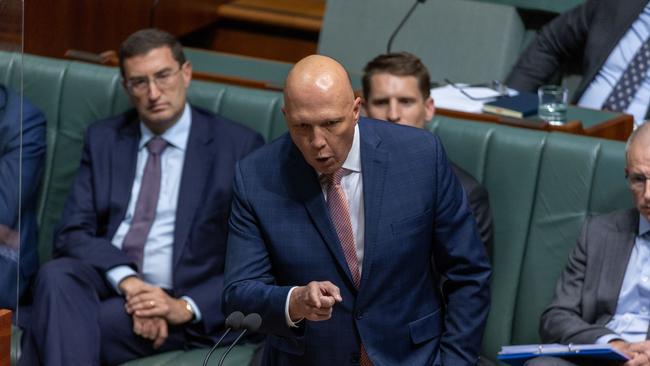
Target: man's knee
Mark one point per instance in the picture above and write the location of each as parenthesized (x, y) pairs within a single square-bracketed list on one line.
[(548, 361), (56, 273)]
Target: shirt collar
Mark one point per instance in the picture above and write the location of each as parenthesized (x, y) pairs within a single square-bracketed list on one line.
[(176, 135), (353, 161), (644, 225)]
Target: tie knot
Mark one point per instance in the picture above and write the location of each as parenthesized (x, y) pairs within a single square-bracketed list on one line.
[(335, 178), (156, 145)]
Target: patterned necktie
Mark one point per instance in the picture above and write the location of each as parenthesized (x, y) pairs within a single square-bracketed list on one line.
[(627, 86), (145, 207), (337, 204)]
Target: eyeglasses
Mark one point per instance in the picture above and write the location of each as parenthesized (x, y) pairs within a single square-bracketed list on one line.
[(163, 80), (495, 85), (637, 181)]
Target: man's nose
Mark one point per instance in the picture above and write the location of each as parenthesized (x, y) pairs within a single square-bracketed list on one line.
[(154, 91), (318, 139), (393, 111)]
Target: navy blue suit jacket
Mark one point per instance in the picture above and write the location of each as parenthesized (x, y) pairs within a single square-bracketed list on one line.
[(100, 195), (281, 236), (33, 156)]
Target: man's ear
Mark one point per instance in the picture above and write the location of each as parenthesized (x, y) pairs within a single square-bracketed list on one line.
[(356, 109), (187, 73), (429, 108)]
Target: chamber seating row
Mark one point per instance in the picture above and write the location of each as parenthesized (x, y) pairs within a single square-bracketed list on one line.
[(541, 184)]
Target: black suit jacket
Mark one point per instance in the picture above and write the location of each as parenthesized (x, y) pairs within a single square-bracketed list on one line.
[(100, 195), (480, 205), (586, 295), (578, 41)]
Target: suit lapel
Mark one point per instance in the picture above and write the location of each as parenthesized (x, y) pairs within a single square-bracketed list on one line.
[(303, 182), (196, 168), (124, 157), (616, 261), (374, 161)]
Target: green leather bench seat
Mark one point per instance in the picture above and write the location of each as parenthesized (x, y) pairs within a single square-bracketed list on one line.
[(251, 68), (464, 41), (269, 71), (541, 185), (553, 6), (73, 94)]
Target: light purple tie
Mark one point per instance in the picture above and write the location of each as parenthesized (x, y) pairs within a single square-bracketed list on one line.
[(145, 207)]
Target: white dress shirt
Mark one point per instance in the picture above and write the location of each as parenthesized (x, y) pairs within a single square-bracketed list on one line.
[(159, 248), (614, 67), (632, 317), (352, 185)]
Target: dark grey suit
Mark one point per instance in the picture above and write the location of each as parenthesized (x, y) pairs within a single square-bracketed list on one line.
[(586, 295), (578, 41)]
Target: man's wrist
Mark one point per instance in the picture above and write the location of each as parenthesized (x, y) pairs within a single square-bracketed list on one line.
[(188, 310), (291, 323)]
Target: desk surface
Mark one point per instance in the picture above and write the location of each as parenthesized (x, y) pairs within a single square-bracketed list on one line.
[(581, 121)]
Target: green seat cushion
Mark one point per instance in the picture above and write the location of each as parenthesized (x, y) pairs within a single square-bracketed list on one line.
[(240, 355)]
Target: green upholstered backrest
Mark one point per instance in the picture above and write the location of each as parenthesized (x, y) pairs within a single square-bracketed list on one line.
[(553, 6), (270, 71), (73, 94), (541, 186), (457, 39)]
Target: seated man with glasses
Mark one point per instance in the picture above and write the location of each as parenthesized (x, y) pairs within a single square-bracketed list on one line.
[(139, 253), (603, 294)]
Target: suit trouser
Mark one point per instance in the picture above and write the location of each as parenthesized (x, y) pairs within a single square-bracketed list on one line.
[(77, 318)]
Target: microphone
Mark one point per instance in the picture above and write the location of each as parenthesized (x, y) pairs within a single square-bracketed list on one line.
[(251, 323), (401, 24), (234, 322)]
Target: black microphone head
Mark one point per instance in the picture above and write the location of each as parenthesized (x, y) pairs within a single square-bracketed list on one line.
[(252, 322), (234, 320)]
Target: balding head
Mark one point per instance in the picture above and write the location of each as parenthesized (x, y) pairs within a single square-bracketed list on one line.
[(638, 167), (316, 77), (321, 111)]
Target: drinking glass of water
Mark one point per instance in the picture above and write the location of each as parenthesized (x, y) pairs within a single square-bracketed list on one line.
[(552, 103)]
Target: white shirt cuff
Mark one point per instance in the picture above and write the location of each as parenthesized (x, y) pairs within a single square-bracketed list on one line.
[(286, 310), (117, 274), (608, 338), (195, 309)]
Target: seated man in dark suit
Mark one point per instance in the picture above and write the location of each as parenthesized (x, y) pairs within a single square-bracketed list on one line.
[(602, 295), (14, 245), (396, 89), (139, 253), (606, 42)]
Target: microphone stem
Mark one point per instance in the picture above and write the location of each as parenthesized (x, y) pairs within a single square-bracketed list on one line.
[(207, 357), (401, 24), (223, 358)]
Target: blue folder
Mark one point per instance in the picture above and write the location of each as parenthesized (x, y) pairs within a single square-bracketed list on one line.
[(518, 355)]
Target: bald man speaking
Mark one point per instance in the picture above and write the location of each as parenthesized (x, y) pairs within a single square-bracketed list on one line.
[(332, 229)]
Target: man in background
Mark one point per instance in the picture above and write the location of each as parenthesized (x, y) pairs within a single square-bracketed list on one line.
[(602, 295), (396, 88), (605, 41), (139, 252)]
